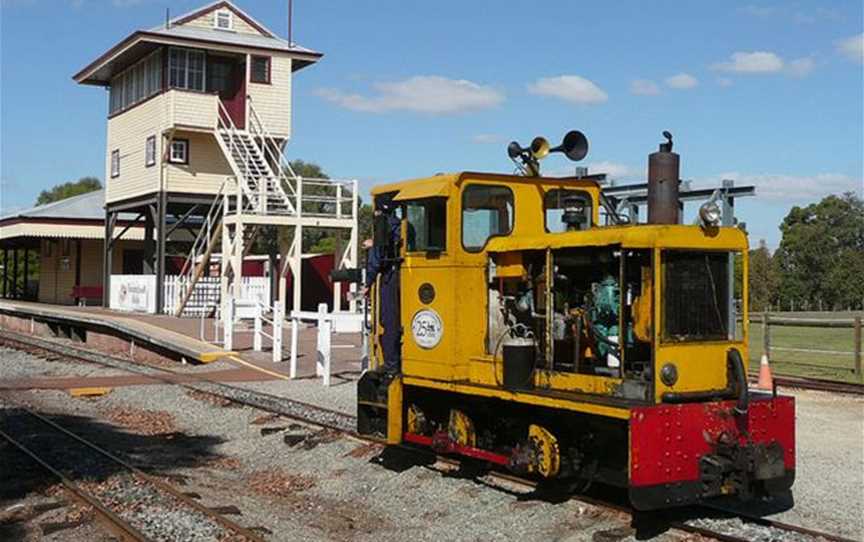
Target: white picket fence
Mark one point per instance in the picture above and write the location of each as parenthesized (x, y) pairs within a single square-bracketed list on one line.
[(207, 294)]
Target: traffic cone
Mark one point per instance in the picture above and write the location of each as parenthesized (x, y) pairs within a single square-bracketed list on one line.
[(766, 382)]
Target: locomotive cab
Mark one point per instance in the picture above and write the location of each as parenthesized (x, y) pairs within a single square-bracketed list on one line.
[(539, 335)]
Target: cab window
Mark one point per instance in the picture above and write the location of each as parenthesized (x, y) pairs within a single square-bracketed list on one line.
[(487, 211), (567, 210), (426, 229)]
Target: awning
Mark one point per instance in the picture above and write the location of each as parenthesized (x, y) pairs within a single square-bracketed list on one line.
[(425, 189)]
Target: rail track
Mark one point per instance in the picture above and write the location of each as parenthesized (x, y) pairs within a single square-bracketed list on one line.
[(132, 504), (723, 525)]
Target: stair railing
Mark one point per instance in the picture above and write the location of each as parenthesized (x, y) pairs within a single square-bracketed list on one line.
[(202, 248), (273, 155), (226, 125)]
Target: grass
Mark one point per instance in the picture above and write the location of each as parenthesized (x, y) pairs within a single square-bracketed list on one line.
[(821, 361)]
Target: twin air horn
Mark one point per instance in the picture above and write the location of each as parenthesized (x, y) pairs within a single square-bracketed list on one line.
[(574, 146)]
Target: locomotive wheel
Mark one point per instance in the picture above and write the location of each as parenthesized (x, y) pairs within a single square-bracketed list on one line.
[(547, 455), (461, 429)]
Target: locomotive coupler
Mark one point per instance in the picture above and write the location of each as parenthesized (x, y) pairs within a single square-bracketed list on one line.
[(735, 469)]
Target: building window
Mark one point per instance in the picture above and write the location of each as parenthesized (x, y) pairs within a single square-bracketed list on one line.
[(150, 151), (186, 69), (224, 20), (487, 211), (260, 69), (136, 83), (115, 163), (179, 151)]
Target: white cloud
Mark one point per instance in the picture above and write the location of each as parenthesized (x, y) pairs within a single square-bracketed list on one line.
[(681, 81), (751, 62), (852, 48), (644, 87), (485, 139), (570, 88), (791, 188), (724, 82), (800, 67), (430, 94), (765, 62)]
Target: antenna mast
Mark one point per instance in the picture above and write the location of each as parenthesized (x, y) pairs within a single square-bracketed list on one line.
[(290, 22)]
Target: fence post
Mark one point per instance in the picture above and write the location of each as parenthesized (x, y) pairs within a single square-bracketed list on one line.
[(766, 336), (257, 340), (278, 323), (857, 332), (295, 331)]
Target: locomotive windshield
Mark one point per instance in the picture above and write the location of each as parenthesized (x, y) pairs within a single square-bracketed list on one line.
[(697, 304)]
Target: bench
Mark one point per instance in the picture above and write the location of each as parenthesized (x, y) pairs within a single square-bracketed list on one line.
[(83, 293)]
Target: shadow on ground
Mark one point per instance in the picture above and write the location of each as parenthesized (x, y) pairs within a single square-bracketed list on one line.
[(22, 476)]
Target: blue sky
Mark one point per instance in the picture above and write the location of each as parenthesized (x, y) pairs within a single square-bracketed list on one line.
[(768, 94)]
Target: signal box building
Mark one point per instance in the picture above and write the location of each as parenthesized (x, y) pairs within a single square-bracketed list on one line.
[(199, 111)]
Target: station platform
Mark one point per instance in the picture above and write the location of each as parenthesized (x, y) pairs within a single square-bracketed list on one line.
[(168, 339)]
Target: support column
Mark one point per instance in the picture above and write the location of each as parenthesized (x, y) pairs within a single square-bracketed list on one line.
[(297, 268), (15, 293), (353, 241), (108, 257), (273, 258), (5, 272), (238, 248), (160, 250), (26, 272), (150, 219)]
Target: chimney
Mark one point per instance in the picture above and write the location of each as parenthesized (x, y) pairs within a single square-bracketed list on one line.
[(664, 167)]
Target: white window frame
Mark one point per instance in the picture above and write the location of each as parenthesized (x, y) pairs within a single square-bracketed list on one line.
[(220, 13), (115, 163), (150, 151), (177, 158), (186, 71)]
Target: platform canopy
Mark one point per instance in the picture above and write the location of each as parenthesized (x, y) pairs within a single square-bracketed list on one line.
[(78, 217)]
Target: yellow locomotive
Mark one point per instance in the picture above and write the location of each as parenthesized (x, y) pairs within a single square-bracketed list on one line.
[(534, 328)]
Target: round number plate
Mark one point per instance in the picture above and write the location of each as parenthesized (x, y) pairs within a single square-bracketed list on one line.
[(427, 328)]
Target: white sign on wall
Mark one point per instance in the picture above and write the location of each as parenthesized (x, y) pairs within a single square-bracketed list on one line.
[(133, 293)]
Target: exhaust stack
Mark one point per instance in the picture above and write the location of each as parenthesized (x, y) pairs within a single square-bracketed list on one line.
[(664, 168)]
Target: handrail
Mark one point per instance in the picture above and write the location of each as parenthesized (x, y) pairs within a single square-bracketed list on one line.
[(277, 156), (227, 123), (204, 232)]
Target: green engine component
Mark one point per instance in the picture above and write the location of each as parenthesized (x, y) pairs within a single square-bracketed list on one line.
[(603, 315)]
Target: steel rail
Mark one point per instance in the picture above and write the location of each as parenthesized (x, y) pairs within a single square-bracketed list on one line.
[(86, 355), (109, 518), (163, 486)]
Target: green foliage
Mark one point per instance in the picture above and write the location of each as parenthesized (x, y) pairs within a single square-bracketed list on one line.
[(820, 256), (763, 278), (67, 190)]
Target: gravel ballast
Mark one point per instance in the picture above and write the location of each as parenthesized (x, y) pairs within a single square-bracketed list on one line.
[(347, 493)]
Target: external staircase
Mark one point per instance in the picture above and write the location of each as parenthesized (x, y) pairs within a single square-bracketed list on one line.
[(263, 190)]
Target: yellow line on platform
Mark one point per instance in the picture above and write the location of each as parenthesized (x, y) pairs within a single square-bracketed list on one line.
[(208, 357), (259, 369)]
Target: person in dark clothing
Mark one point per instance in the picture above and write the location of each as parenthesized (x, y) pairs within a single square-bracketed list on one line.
[(383, 261)]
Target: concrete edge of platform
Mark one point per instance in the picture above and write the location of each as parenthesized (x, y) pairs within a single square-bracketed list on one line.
[(116, 328)]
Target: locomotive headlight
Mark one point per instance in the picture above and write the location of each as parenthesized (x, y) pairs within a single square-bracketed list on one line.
[(669, 374), (709, 214)]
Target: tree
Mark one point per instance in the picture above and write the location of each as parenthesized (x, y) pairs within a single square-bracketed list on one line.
[(819, 258), (763, 280), (67, 190)]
